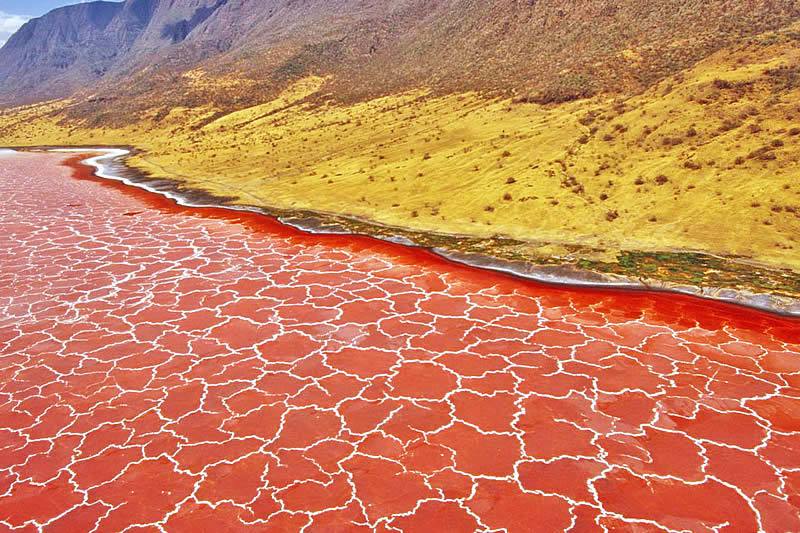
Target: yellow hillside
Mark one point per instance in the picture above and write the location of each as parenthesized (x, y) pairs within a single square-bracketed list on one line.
[(704, 161)]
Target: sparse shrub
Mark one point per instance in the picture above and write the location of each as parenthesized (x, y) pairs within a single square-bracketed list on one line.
[(506, 153), (566, 88), (692, 165), (583, 139), (588, 118), (691, 132), (722, 84), (611, 216), (639, 181), (608, 137), (750, 111), (489, 209), (784, 77), (507, 197), (604, 197), (777, 143), (661, 179), (763, 154), (510, 181), (426, 156), (794, 131), (728, 125)]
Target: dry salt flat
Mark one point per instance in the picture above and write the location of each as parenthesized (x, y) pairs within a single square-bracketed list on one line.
[(171, 368)]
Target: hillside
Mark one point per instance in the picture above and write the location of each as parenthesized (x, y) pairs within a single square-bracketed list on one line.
[(679, 139), (543, 51)]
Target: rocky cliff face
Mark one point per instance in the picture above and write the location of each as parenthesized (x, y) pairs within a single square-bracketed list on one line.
[(547, 51), (54, 55), (72, 48)]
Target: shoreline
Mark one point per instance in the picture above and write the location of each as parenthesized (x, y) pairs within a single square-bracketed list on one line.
[(110, 164)]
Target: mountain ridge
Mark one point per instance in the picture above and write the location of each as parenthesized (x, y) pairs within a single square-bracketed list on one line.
[(547, 52)]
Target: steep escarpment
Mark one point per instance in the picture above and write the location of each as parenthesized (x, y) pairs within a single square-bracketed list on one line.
[(71, 49), (547, 52), (55, 55)]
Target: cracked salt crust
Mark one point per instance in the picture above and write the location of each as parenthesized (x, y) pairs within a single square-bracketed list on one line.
[(164, 368)]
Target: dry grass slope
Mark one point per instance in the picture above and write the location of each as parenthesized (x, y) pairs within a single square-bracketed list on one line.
[(705, 160)]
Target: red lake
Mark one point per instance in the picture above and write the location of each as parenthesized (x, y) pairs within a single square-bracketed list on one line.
[(174, 368)]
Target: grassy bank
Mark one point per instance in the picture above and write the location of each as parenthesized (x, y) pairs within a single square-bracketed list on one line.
[(705, 161)]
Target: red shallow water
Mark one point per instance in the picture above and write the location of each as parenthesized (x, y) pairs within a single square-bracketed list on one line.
[(165, 367)]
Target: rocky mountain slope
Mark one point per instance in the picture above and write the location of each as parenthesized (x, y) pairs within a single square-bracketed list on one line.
[(70, 47), (546, 51)]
